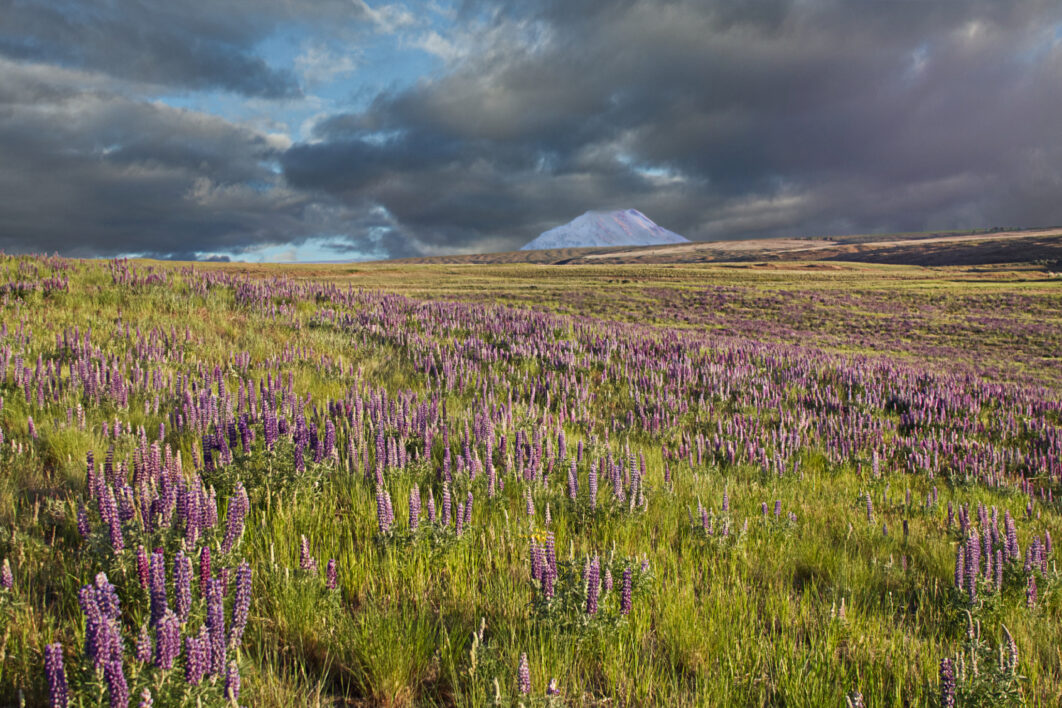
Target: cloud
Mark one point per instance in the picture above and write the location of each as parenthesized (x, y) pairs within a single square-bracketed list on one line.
[(717, 119), (88, 172), (196, 45), (319, 65)]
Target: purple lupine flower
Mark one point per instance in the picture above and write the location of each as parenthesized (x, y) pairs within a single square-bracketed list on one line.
[(447, 502), (158, 587), (1013, 551), (552, 689), (626, 601), (232, 683), (93, 625), (241, 604), (117, 688), (551, 554), (548, 579), (573, 482), (330, 438), (593, 586), (591, 486), (331, 576), (196, 658), (167, 640), (182, 585), (777, 508), (606, 584), (414, 508), (306, 561), (468, 509), (239, 505), (947, 684), (382, 517), (536, 561), (142, 566), (300, 463), (999, 569), (204, 568), (106, 597), (973, 565), (1030, 592), (114, 523), (145, 699), (58, 691), (83, 527), (143, 645), (7, 578), (431, 507), (215, 624), (870, 509), (524, 675), (960, 567)]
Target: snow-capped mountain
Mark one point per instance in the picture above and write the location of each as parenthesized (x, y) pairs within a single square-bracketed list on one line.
[(599, 229)]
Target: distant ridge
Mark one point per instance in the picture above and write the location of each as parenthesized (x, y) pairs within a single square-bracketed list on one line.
[(601, 229)]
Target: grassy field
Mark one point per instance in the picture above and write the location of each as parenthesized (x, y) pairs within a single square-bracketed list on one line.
[(501, 485)]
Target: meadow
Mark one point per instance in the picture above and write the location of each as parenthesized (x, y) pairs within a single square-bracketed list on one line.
[(747, 484)]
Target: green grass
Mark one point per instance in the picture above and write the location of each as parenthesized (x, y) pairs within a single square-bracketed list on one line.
[(755, 622)]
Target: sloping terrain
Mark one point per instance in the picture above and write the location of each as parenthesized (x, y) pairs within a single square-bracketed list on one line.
[(925, 249)]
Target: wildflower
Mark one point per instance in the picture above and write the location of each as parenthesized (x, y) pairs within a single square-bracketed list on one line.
[(414, 507), (215, 624), (167, 640), (626, 602), (383, 516), (593, 586), (947, 684), (82, 522), (117, 688), (158, 587), (232, 683), (182, 585), (58, 691), (142, 566), (241, 604), (196, 659), (331, 576), (143, 645), (524, 675), (306, 561), (204, 568), (239, 505)]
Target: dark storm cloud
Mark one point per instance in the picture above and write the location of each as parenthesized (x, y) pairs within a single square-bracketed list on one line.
[(89, 172), (193, 44), (719, 119)]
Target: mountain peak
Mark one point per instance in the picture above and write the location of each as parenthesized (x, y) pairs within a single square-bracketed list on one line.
[(600, 229)]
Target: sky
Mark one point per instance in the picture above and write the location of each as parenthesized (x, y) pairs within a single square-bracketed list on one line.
[(285, 130)]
